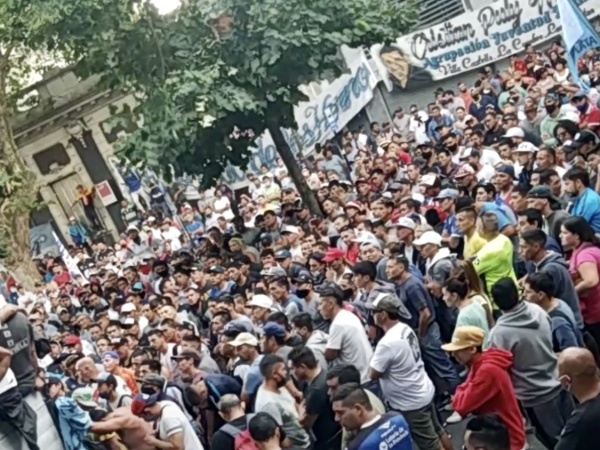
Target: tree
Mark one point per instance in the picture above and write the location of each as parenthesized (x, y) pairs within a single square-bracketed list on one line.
[(218, 73), (30, 28)]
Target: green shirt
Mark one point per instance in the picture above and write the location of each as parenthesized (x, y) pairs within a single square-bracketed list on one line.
[(473, 315), (495, 261), (547, 129)]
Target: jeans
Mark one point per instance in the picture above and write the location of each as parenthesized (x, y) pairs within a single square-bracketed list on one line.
[(437, 362)]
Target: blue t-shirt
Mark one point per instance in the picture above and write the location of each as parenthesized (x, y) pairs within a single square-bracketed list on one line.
[(253, 377), (219, 385), (390, 432), (587, 206), (413, 293)]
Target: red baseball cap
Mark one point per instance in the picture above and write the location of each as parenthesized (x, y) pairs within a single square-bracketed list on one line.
[(333, 254)]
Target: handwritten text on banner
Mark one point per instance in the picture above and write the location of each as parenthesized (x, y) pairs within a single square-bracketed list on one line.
[(475, 39)]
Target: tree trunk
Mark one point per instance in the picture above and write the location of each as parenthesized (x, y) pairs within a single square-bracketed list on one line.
[(307, 195), (18, 196)]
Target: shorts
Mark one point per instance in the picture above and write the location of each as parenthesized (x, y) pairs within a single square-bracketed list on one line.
[(425, 428)]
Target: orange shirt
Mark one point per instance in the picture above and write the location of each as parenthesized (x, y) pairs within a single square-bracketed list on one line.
[(129, 378)]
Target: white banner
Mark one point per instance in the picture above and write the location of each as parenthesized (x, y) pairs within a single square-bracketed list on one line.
[(322, 118), (469, 41), (318, 120)]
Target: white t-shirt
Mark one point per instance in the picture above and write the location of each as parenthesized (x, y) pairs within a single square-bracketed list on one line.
[(222, 203), (122, 400), (165, 360), (173, 420), (404, 384), (8, 382), (348, 335), (172, 235), (486, 173)]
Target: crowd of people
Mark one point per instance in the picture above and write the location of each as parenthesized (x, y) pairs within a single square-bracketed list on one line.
[(453, 275)]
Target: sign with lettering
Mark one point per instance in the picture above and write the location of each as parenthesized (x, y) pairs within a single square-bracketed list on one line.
[(325, 116), (318, 120), (470, 40)]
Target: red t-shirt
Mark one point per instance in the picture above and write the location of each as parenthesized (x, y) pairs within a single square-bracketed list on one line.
[(404, 158), (591, 118), (62, 279), (520, 65)]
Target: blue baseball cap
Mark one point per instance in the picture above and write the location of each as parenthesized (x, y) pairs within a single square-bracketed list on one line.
[(273, 329), (283, 254)]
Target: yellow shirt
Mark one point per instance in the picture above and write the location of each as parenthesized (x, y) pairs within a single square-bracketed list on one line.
[(495, 261), (472, 245)]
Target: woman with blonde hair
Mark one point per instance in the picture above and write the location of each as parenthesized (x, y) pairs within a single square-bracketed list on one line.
[(465, 271)]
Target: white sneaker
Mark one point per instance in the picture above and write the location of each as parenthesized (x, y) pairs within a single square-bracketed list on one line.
[(454, 418)]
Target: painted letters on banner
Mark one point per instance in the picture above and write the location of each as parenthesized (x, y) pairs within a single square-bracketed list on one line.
[(318, 120), (471, 40)]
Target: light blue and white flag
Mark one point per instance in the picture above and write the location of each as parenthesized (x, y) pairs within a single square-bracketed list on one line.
[(578, 34)]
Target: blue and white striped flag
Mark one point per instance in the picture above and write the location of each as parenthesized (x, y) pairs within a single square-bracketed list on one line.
[(578, 34)]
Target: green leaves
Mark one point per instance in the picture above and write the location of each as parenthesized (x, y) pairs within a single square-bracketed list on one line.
[(220, 68)]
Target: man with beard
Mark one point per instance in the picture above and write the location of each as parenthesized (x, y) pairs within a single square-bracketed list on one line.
[(107, 390), (242, 283), (273, 398), (427, 154)]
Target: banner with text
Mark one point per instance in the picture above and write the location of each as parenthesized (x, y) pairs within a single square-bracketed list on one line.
[(318, 120), (470, 40)]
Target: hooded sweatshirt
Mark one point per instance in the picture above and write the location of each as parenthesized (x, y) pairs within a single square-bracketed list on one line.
[(317, 342), (526, 332), (558, 269), (488, 389)]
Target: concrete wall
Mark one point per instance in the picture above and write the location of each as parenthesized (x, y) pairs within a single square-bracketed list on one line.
[(55, 197)]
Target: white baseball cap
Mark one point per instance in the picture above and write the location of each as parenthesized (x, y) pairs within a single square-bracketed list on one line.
[(526, 147), (261, 301), (405, 222), (290, 229), (244, 339), (514, 132), (429, 237), (127, 308)]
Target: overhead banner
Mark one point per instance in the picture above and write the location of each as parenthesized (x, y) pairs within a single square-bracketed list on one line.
[(469, 41), (322, 118), (318, 120)]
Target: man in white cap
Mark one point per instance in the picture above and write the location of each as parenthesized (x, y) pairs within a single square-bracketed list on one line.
[(525, 153), (440, 263), (261, 306)]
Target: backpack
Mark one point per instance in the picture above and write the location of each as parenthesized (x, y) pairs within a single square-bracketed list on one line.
[(241, 439)]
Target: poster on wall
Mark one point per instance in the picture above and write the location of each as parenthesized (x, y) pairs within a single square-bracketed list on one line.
[(105, 193), (470, 41)]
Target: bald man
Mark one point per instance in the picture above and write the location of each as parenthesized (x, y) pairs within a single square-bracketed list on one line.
[(579, 375)]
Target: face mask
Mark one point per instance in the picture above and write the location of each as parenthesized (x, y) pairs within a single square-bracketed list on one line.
[(163, 273), (515, 98), (302, 293), (316, 274), (426, 154), (148, 390), (582, 108), (452, 147), (348, 294), (104, 395), (550, 108)]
